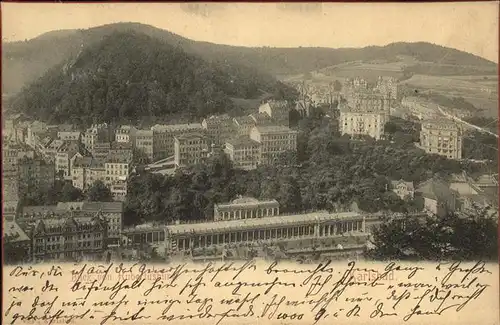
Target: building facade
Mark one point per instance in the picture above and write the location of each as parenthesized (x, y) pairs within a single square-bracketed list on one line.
[(190, 149), (164, 137), (442, 137), (219, 128), (362, 122), (243, 152), (274, 141), (69, 238), (144, 143)]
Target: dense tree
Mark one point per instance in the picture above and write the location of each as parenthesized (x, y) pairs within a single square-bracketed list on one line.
[(60, 192), (451, 237), (128, 76), (99, 192)]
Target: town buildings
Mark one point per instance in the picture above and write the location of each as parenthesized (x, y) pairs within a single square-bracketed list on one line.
[(274, 140), (243, 152), (442, 137), (362, 121), (95, 134), (125, 134), (246, 208), (164, 135), (35, 173), (190, 149)]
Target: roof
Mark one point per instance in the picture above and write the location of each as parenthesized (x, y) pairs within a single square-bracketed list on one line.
[(244, 120), (175, 127), (436, 189), (39, 209), (246, 202), (144, 133), (217, 119), (261, 118), (91, 206), (83, 162), (440, 123), (242, 140), (257, 223), (116, 158), (396, 183), (274, 129), (190, 136), (13, 233)]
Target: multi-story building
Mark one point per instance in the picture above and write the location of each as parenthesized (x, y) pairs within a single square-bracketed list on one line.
[(388, 86), (243, 152), (95, 134), (442, 137), (278, 110), (69, 238), (190, 149), (35, 132), (35, 173), (86, 171), (121, 149), (119, 190), (101, 150), (244, 124), (118, 168), (16, 243), (125, 134), (50, 149), (220, 128), (144, 143), (12, 153), (362, 121), (112, 212), (66, 155), (164, 134), (246, 208), (274, 140)]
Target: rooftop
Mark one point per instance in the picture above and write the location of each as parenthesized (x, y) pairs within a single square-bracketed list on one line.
[(242, 140), (257, 223), (436, 189), (440, 123), (175, 127), (190, 136), (244, 120), (274, 129), (13, 233), (246, 202)]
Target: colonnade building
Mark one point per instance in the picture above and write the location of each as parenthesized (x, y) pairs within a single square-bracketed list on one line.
[(246, 208), (182, 237)]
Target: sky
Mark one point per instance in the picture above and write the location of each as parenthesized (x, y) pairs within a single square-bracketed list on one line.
[(471, 27)]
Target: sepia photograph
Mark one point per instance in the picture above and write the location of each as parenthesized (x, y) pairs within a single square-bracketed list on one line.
[(149, 148)]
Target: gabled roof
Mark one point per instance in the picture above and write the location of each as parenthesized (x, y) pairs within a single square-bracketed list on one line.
[(436, 189)]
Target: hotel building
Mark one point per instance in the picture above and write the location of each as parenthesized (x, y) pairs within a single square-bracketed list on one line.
[(69, 238), (220, 128), (274, 140), (243, 152), (164, 137), (190, 149), (278, 110), (359, 121), (442, 137)]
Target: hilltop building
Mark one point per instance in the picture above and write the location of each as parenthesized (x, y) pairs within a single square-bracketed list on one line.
[(362, 121)]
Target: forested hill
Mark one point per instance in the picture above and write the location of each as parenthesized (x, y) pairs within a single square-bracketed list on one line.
[(129, 75), (25, 61)]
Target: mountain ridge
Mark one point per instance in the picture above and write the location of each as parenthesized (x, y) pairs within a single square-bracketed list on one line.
[(128, 76), (24, 62)]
